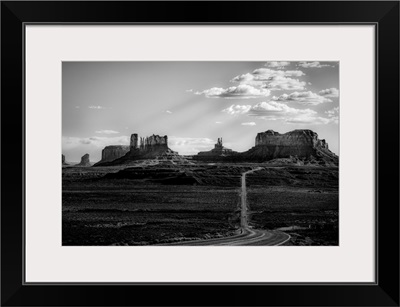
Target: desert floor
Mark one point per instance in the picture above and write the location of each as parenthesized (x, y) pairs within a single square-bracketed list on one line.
[(159, 204)]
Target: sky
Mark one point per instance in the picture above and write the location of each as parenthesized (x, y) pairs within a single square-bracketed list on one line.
[(195, 103)]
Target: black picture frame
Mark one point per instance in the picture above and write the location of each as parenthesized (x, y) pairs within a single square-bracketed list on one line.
[(383, 14)]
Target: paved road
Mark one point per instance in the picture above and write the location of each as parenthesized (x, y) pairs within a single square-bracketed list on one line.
[(248, 237), (243, 212)]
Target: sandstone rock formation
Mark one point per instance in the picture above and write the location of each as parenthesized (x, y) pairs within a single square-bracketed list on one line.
[(84, 161), (218, 153), (63, 160), (302, 144), (113, 152), (152, 147)]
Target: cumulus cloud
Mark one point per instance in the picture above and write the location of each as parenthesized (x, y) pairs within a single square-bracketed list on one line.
[(283, 83), (106, 131), (329, 92), (237, 109), (281, 111), (242, 91), (273, 110), (312, 65), (248, 124), (168, 111), (265, 74), (272, 79), (305, 98), (277, 64), (333, 114), (96, 107)]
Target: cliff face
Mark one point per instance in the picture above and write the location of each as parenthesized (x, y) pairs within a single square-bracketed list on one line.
[(149, 144), (218, 153), (301, 143), (152, 147), (299, 138), (85, 161), (63, 160), (112, 152)]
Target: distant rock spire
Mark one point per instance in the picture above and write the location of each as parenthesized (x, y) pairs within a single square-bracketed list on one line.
[(134, 141), (63, 160), (85, 161)]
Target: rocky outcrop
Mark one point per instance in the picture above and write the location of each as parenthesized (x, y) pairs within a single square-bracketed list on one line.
[(134, 142), (150, 143), (218, 153), (113, 152), (152, 147), (302, 144), (63, 160), (84, 161)]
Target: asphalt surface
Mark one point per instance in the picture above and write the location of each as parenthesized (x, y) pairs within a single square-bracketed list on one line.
[(247, 236)]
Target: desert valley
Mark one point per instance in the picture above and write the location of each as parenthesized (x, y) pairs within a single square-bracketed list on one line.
[(282, 191)]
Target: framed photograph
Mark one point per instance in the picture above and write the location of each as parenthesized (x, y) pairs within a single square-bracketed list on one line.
[(248, 147)]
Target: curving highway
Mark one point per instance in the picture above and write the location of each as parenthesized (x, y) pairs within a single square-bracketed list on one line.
[(247, 236)]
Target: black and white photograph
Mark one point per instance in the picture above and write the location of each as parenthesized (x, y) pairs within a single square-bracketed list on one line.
[(216, 153)]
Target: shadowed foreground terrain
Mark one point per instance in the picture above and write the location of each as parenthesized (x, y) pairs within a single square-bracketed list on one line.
[(166, 203)]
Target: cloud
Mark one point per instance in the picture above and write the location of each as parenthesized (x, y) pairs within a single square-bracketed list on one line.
[(77, 107), (305, 98), (265, 74), (96, 141), (190, 146), (311, 120), (283, 83), (96, 107), (218, 122), (85, 141), (237, 109), (333, 114), (272, 79), (278, 111), (242, 91), (189, 91), (329, 92), (168, 111), (273, 110), (313, 65), (248, 124), (106, 131), (276, 64)]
